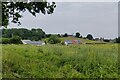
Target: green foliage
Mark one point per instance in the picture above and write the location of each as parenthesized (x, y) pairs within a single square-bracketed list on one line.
[(13, 10), (34, 38), (77, 34), (6, 41), (48, 35), (57, 61), (54, 40), (13, 40), (118, 40), (65, 35), (34, 34), (90, 37), (59, 35), (106, 40)]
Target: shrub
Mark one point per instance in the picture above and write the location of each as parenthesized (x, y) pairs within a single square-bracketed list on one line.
[(90, 37), (34, 38), (6, 41), (106, 40), (65, 35), (77, 35), (15, 40), (48, 35), (54, 40), (118, 40)]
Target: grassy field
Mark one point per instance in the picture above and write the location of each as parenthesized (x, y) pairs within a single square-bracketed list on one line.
[(74, 38), (58, 61), (0, 61)]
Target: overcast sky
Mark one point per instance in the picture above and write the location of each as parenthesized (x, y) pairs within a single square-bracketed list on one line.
[(97, 18)]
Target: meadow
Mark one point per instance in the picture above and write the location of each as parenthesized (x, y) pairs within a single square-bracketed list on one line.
[(59, 61), (0, 61)]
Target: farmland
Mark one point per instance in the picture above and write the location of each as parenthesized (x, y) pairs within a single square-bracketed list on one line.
[(58, 61), (74, 40)]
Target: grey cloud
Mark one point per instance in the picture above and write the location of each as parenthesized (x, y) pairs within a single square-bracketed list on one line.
[(99, 19)]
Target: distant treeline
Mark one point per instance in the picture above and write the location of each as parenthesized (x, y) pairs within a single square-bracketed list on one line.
[(33, 34), (14, 36)]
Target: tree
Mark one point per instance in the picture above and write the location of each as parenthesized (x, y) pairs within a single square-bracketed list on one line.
[(54, 40), (90, 37), (65, 35), (59, 35), (106, 40), (48, 35), (34, 38), (5, 41), (118, 40), (13, 10), (34, 34), (15, 40), (77, 35)]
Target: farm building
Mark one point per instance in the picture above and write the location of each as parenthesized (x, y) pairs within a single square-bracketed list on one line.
[(33, 42), (67, 42)]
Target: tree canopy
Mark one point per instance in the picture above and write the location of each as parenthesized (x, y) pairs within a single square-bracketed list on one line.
[(65, 35), (118, 40), (90, 37), (77, 34), (54, 40), (33, 34), (13, 10)]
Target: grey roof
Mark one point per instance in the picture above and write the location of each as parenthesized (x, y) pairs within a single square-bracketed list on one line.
[(33, 42), (68, 41)]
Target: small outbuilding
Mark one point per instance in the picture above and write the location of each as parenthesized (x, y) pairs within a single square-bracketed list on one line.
[(68, 42), (33, 42)]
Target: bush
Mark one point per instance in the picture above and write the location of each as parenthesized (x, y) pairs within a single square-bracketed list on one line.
[(77, 35), (65, 35), (6, 41), (0, 40), (54, 40), (34, 38), (118, 40), (48, 35), (90, 37), (84, 37), (14, 40), (106, 40)]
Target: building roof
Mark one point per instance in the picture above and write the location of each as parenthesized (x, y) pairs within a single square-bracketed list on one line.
[(68, 41), (32, 42), (72, 41)]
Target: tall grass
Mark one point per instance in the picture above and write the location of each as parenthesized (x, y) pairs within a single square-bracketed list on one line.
[(58, 61), (0, 61)]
